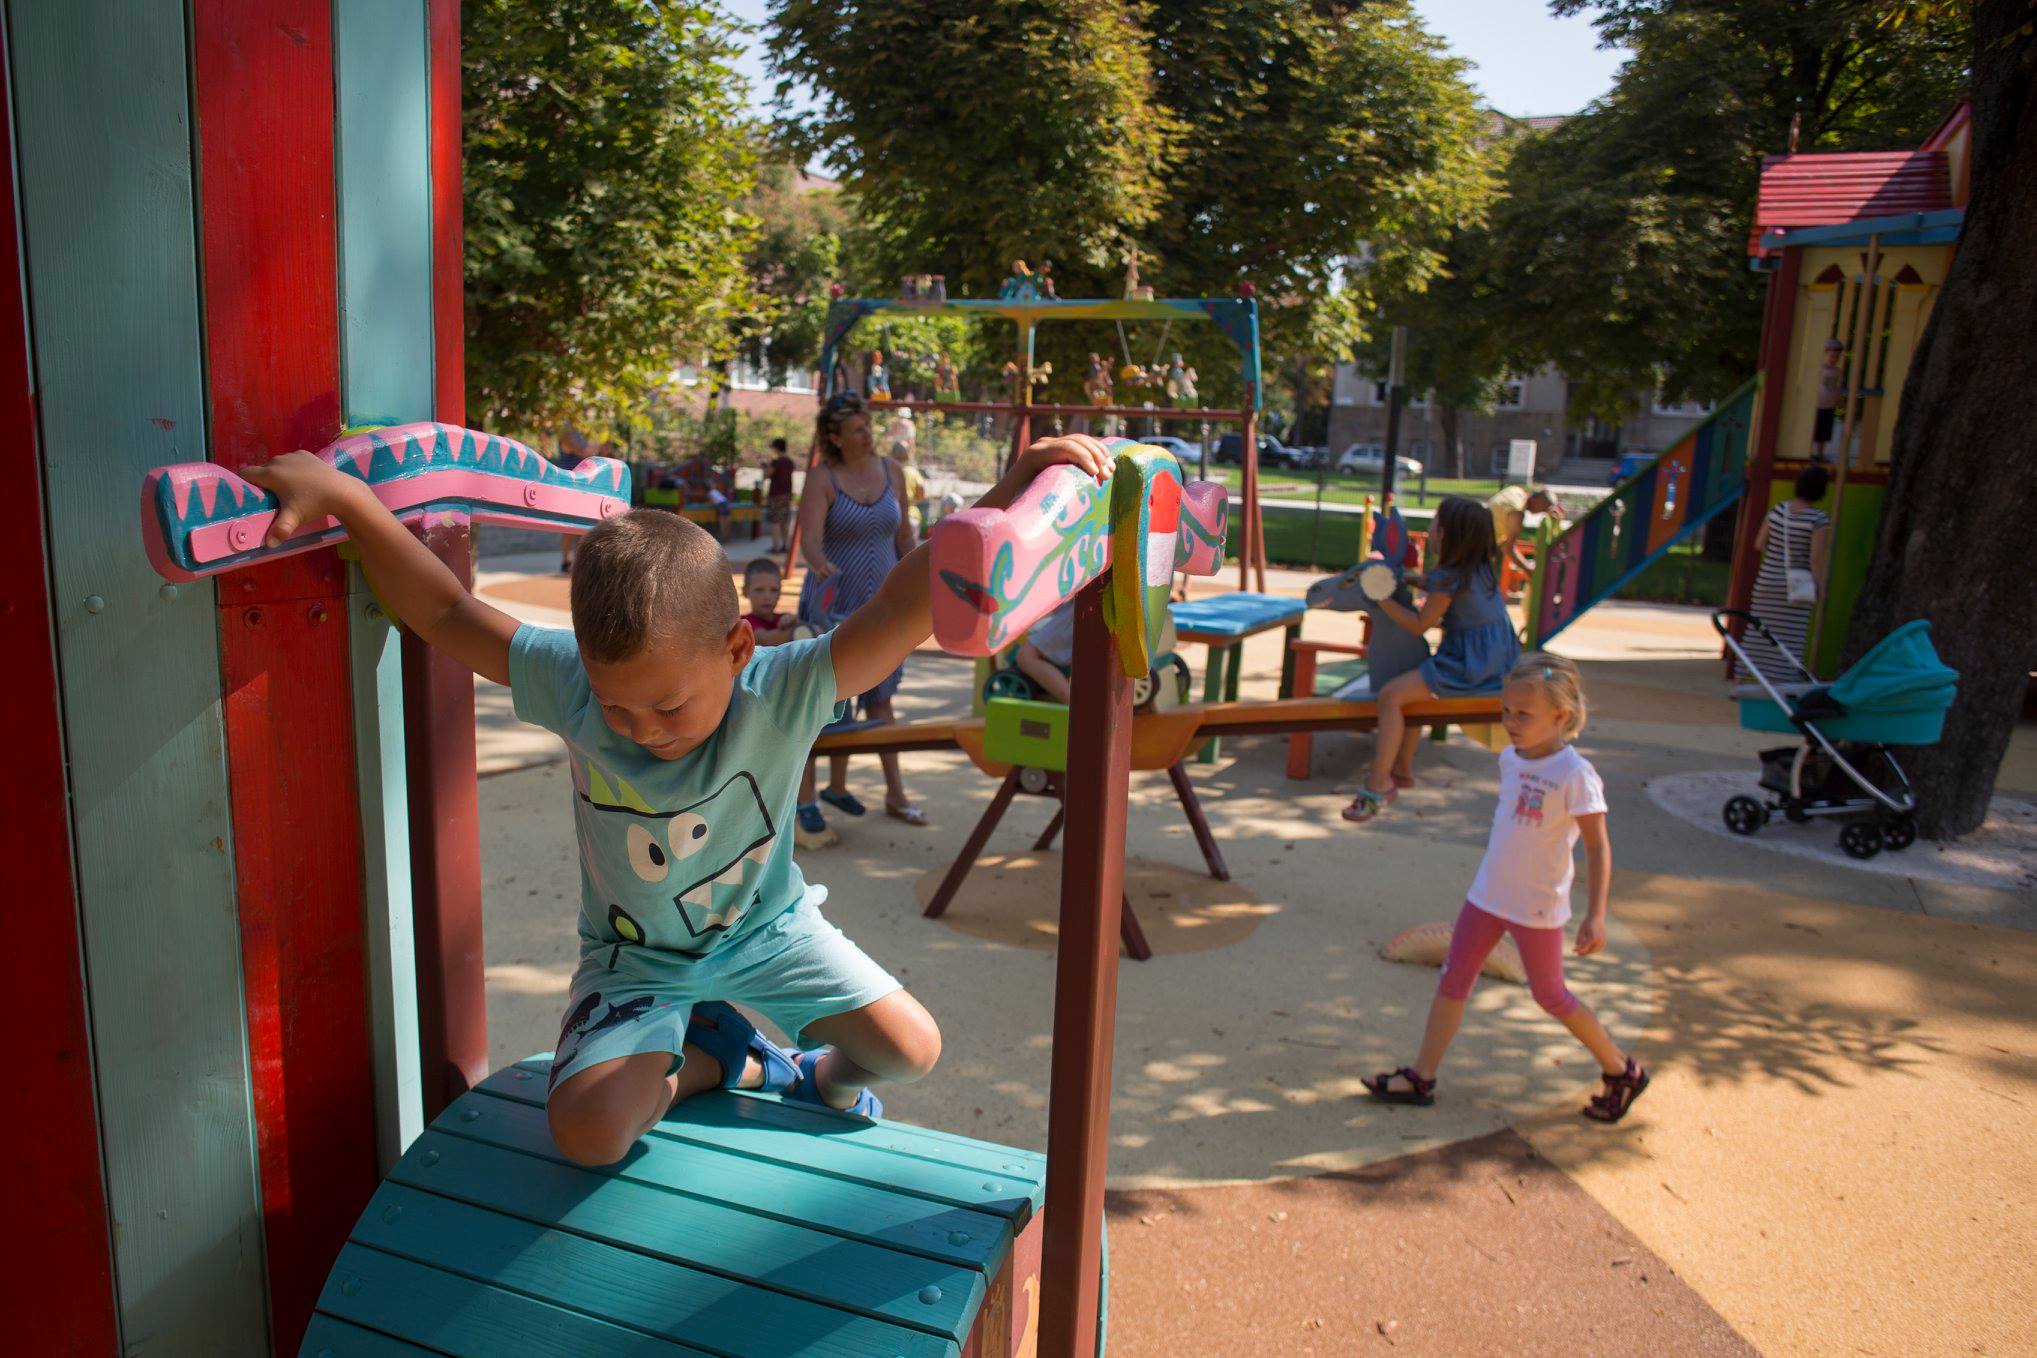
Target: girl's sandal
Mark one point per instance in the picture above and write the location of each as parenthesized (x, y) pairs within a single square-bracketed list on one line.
[(908, 813), (1620, 1092), (1368, 804), (1419, 1091), (806, 1089)]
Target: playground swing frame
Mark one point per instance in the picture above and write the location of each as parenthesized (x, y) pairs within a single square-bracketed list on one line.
[(1237, 317)]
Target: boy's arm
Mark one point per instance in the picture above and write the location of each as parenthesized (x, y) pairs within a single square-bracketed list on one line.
[(411, 582), (878, 637)]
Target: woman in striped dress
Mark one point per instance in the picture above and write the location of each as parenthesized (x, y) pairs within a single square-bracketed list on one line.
[(1792, 537), (853, 529)]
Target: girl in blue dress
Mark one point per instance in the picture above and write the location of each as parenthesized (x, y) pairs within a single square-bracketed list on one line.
[(1479, 645)]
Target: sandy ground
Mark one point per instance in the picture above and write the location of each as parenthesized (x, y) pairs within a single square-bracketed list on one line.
[(1834, 1156)]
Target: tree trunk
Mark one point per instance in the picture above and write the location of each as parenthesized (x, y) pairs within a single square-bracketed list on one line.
[(1446, 416), (1954, 540)]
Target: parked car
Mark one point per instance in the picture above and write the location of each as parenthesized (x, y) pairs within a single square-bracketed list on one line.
[(1370, 457), (1189, 453), (1272, 452)]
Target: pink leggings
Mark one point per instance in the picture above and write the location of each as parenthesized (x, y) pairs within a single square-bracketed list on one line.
[(1478, 932)]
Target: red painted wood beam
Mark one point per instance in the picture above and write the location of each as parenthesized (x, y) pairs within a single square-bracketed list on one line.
[(438, 691), (264, 98), (1085, 985), (56, 1195)]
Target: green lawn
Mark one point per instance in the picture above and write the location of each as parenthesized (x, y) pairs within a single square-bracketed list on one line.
[(1294, 539)]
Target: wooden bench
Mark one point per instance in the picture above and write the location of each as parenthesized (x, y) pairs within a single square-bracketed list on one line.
[(741, 1225)]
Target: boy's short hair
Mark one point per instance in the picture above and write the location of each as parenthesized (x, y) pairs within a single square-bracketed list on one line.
[(761, 565), (778, 444), (647, 576)]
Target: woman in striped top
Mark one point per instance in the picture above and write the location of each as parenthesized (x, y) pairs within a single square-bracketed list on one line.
[(853, 529), (1792, 537)]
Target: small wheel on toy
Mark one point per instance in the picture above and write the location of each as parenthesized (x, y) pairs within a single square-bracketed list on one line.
[(1861, 839), (1744, 815), (1174, 683), (1899, 834), (1033, 780), (1008, 684), (1143, 689)]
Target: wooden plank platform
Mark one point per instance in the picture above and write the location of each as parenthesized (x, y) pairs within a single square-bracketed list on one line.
[(740, 1226)]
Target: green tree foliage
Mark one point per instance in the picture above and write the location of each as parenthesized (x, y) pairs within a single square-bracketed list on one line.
[(605, 150), (796, 257), (972, 134), (1228, 140), (1622, 239)]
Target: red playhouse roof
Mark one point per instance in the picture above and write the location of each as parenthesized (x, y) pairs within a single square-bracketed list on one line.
[(1834, 187)]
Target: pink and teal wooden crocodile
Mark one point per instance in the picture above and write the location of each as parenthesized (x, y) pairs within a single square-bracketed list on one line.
[(997, 572), (199, 519)]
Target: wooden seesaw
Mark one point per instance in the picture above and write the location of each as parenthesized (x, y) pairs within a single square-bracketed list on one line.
[(742, 1225)]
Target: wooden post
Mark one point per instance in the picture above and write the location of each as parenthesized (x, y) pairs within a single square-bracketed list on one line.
[(1251, 551), (1778, 323), (1085, 985)]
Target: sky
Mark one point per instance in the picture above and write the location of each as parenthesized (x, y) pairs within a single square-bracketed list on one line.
[(1527, 62)]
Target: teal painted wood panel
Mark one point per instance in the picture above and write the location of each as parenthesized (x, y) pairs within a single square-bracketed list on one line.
[(330, 1338), (464, 1318), (375, 659), (725, 1315), (384, 103), (103, 150), (949, 1167), (796, 1192), (861, 1277), (383, 195)]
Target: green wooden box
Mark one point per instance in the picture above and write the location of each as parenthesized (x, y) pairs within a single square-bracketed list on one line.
[(1031, 734)]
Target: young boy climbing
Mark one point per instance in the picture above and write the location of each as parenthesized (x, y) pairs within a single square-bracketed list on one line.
[(1549, 798), (685, 742)]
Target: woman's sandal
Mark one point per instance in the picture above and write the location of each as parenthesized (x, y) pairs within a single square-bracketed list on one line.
[(719, 1029), (807, 1089), (844, 802), (1620, 1092), (1368, 804), (1419, 1091), (908, 813)]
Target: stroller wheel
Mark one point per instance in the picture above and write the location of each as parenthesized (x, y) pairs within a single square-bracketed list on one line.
[(1861, 839), (1900, 833), (1008, 684), (1744, 815)]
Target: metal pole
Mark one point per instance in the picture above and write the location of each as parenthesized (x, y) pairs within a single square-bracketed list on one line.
[(1395, 374), (1085, 986)]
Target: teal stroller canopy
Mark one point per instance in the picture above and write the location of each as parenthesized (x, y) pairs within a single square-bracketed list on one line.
[(1896, 694)]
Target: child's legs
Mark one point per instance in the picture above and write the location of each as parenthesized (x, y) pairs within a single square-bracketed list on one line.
[(599, 1112), (1044, 673), (807, 783), (1542, 955), (892, 1039), (1393, 727), (1472, 940), (1404, 757), (817, 985)]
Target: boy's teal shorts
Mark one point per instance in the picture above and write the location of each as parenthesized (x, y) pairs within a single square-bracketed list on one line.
[(796, 971)]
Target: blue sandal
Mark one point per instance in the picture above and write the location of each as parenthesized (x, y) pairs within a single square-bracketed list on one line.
[(845, 802), (731, 1039), (807, 1089)]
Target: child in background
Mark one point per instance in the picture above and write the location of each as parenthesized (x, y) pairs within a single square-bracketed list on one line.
[(685, 743), (1549, 798), (762, 583), (1477, 649), (1048, 652)]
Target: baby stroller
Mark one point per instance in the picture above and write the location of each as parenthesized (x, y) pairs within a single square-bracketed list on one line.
[(1896, 694)]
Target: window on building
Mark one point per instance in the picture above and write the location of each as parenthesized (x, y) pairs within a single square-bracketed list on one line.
[(1513, 393)]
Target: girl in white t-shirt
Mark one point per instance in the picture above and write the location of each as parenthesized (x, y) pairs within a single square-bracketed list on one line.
[(1549, 798)]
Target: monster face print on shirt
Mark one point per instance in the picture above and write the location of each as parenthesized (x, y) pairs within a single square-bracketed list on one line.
[(692, 871)]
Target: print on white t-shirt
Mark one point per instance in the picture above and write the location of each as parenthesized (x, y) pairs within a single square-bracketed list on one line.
[(1528, 867)]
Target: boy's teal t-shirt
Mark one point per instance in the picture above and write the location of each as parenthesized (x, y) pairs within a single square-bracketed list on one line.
[(683, 855)]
